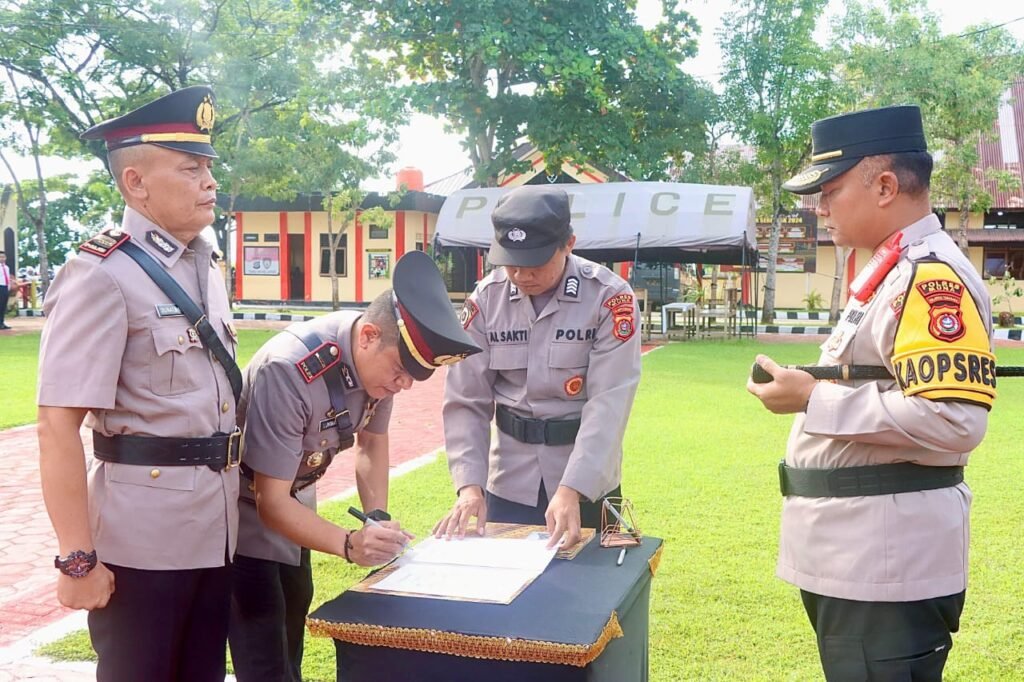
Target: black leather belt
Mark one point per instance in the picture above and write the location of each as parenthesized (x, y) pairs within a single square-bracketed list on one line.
[(879, 479), (537, 431), (220, 451)]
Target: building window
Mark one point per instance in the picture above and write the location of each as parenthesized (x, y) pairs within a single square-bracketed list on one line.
[(325, 255), (999, 260), (378, 232)]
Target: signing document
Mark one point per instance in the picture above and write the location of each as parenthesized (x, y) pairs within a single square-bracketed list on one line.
[(474, 568)]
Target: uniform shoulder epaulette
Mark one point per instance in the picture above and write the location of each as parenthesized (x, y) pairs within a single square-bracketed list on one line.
[(105, 243), (321, 359)]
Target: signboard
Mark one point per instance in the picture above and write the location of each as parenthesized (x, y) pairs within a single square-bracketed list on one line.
[(379, 265), (262, 260), (798, 241)]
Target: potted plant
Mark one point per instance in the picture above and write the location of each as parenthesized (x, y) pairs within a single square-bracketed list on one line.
[(1010, 289)]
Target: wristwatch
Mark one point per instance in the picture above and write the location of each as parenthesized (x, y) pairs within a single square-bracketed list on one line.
[(77, 564)]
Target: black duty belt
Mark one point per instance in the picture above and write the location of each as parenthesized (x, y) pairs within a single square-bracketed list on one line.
[(220, 451), (537, 431), (879, 479)]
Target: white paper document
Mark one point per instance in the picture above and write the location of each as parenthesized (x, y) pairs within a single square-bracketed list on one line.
[(473, 568)]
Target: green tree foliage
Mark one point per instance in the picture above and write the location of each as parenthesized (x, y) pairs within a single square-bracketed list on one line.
[(74, 211), (581, 80), (896, 54), (777, 83), (86, 62)]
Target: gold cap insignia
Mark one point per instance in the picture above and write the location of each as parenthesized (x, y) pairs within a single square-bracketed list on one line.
[(807, 177), (205, 114)]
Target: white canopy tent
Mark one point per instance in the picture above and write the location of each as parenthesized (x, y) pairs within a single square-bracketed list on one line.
[(647, 221)]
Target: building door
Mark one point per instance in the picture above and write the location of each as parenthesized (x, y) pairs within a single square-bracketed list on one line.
[(297, 267)]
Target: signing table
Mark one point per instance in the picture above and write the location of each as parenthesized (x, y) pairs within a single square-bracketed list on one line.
[(582, 619)]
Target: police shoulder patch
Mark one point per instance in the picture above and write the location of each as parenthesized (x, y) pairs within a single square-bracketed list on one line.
[(942, 348), (469, 310), (105, 243)]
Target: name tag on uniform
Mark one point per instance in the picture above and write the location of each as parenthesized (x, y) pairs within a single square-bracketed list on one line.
[(843, 334), (326, 424), (168, 310)]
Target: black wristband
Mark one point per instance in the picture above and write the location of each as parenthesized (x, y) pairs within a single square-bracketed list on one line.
[(348, 545)]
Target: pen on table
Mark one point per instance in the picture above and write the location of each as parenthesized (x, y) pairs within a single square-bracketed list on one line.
[(622, 557)]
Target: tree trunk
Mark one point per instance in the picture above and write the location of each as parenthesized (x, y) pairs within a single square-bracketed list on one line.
[(961, 229), (838, 284), (332, 257), (230, 224)]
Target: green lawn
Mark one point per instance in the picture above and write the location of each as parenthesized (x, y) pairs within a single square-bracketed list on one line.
[(700, 468), (19, 363)]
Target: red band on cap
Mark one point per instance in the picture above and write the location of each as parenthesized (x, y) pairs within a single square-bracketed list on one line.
[(414, 333), (135, 131)]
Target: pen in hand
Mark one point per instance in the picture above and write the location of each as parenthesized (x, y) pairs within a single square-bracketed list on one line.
[(373, 522)]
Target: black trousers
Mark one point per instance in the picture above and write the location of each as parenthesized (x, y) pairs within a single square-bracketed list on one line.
[(505, 511), (4, 295), (269, 603), (884, 641), (163, 626)]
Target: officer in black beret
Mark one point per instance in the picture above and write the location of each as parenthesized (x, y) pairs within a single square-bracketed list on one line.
[(311, 392), (559, 369), (138, 342), (875, 511)]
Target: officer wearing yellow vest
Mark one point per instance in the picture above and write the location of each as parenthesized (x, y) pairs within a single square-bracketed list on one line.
[(138, 342), (875, 510)]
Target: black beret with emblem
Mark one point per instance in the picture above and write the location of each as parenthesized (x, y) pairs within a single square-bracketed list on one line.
[(431, 334), (530, 223), (182, 120), (839, 142)]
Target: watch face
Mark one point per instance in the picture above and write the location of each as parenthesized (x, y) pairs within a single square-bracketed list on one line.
[(77, 564)]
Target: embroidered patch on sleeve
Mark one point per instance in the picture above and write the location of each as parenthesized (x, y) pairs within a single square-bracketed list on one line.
[(622, 309), (469, 311), (942, 349)]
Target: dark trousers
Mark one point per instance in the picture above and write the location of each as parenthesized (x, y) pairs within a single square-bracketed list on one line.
[(505, 511), (4, 294), (163, 626), (883, 641), (269, 603)]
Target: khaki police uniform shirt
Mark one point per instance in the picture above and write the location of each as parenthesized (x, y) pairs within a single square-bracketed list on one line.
[(903, 547), (577, 358), (115, 344), (287, 430)]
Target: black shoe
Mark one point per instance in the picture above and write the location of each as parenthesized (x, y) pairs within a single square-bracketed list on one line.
[(4, 326)]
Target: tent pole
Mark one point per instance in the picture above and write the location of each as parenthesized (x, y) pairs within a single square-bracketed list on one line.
[(636, 257)]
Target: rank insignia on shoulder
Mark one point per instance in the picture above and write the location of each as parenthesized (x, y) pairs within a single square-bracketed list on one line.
[(314, 365), (161, 244), (346, 376), (572, 286), (105, 243), (469, 311)]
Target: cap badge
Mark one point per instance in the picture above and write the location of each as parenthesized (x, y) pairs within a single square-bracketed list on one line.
[(517, 234), (205, 114), (449, 359), (807, 177)]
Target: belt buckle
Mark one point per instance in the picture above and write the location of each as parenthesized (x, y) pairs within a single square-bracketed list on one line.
[(235, 445)]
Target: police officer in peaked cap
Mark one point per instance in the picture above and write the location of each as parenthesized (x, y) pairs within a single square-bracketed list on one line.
[(139, 345), (312, 392), (559, 370), (875, 510)]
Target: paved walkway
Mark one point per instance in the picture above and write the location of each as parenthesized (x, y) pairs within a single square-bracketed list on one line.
[(28, 600)]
